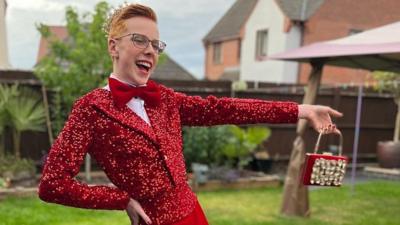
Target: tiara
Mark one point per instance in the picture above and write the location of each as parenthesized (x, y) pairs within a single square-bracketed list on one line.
[(113, 13)]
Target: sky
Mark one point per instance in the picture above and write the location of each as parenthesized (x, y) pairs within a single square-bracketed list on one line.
[(182, 25)]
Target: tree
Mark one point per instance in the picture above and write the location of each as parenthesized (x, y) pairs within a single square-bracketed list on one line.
[(78, 64)]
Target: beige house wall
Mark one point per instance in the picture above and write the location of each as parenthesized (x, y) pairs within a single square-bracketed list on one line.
[(4, 63)]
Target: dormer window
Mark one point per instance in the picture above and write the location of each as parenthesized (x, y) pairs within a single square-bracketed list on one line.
[(217, 56), (261, 44)]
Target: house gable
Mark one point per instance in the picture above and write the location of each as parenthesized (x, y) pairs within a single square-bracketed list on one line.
[(230, 25), (264, 35), (224, 41), (299, 10)]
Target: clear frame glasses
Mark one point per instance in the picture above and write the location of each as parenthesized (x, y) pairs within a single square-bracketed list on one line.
[(141, 41)]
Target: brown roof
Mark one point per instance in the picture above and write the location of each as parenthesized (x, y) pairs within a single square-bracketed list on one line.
[(299, 10), (171, 70), (229, 26)]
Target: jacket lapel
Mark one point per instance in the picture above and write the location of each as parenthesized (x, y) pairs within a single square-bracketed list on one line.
[(125, 116), (155, 120)]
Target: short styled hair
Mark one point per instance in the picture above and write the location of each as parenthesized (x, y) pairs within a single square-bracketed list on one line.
[(115, 25)]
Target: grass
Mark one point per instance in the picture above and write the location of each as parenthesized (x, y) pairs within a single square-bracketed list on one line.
[(373, 203)]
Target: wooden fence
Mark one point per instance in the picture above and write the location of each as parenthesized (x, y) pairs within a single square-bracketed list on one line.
[(377, 122)]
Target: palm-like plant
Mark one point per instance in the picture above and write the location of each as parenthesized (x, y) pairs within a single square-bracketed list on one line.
[(21, 110), (6, 93), (26, 113)]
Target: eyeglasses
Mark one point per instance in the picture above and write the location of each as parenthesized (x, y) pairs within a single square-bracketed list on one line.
[(141, 41)]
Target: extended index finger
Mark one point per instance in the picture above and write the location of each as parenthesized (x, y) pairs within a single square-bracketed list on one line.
[(335, 113)]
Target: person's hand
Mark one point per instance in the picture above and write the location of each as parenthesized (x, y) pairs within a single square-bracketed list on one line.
[(134, 210), (320, 117)]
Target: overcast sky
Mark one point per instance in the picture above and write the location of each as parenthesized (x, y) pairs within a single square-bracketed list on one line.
[(182, 24)]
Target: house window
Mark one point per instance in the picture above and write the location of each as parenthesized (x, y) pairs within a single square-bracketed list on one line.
[(261, 44), (217, 57), (239, 49)]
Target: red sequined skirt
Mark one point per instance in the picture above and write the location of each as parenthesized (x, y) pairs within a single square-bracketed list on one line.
[(197, 217)]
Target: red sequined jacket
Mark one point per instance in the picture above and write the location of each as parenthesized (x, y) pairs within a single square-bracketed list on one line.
[(144, 162)]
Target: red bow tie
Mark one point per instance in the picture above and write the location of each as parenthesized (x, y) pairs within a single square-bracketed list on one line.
[(122, 93)]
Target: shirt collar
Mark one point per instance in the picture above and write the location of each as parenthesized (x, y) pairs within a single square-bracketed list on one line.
[(125, 82)]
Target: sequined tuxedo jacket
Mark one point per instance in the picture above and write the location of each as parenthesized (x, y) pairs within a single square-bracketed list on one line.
[(143, 162)]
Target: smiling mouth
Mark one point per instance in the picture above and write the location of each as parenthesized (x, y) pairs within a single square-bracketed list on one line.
[(144, 65)]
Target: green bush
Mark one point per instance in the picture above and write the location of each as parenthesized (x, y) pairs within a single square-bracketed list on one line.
[(204, 144), (227, 145), (10, 166)]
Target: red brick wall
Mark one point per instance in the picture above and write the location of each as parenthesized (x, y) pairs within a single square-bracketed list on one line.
[(59, 31), (335, 19), (230, 58)]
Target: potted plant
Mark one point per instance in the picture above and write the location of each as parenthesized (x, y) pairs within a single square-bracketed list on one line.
[(388, 152), (243, 143)]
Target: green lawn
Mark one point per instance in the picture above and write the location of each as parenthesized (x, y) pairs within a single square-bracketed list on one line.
[(373, 203)]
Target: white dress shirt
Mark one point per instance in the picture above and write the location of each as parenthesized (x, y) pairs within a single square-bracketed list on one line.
[(136, 104)]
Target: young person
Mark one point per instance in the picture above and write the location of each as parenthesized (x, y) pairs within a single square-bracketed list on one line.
[(132, 128)]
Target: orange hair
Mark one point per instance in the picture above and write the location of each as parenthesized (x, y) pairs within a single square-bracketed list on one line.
[(115, 25)]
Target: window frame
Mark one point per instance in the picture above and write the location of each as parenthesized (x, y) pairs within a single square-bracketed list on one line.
[(262, 40)]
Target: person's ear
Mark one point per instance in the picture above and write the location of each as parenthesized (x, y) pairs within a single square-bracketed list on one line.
[(113, 48)]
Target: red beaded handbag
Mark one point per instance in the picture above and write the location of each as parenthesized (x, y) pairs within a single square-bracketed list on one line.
[(324, 169)]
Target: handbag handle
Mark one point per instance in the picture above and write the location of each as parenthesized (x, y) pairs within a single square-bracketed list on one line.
[(340, 143)]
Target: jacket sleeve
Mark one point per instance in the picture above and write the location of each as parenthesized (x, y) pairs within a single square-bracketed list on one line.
[(57, 184), (198, 111)]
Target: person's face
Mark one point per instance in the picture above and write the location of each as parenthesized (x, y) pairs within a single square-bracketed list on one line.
[(132, 62)]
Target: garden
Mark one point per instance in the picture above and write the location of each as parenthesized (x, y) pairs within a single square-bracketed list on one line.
[(228, 166)]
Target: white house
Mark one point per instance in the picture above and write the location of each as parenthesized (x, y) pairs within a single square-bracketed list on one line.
[(238, 46), (264, 34)]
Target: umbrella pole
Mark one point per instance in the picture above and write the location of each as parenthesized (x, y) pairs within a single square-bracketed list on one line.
[(295, 194), (356, 138)]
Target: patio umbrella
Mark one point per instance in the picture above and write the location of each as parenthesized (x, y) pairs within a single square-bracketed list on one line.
[(375, 49)]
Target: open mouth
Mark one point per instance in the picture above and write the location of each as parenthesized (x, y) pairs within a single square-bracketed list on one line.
[(143, 65)]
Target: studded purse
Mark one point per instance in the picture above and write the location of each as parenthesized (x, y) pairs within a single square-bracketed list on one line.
[(324, 169)]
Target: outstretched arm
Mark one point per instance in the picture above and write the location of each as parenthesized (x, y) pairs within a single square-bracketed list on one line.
[(197, 111)]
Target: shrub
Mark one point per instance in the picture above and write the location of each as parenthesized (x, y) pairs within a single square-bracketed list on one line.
[(12, 167), (204, 144)]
